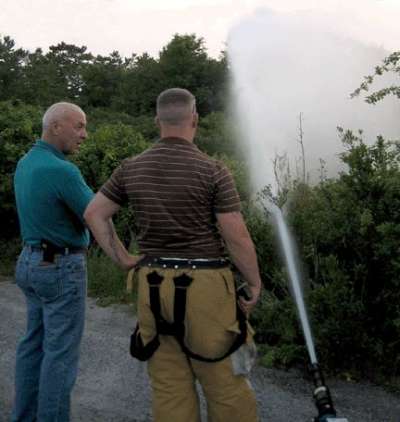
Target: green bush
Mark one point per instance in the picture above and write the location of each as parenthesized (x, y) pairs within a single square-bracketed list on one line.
[(19, 126), (348, 230), (101, 154), (106, 281), (9, 251)]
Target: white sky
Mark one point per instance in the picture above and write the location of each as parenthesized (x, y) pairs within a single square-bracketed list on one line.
[(137, 26)]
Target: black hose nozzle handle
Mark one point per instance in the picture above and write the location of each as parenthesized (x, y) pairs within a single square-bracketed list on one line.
[(321, 394)]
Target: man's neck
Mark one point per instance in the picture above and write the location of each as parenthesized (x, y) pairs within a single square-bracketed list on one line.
[(177, 133), (46, 138)]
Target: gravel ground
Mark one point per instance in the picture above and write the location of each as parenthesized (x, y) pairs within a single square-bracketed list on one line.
[(114, 387)]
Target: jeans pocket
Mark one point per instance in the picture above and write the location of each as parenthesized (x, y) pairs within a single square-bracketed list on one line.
[(20, 276), (21, 271), (46, 282), (75, 275)]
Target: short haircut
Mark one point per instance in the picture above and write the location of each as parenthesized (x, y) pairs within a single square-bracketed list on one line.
[(58, 111), (175, 106)]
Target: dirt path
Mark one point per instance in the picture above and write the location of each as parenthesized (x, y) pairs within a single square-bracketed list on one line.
[(114, 387)]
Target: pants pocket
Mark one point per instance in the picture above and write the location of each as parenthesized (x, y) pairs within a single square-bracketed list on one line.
[(75, 275), (46, 282), (21, 274)]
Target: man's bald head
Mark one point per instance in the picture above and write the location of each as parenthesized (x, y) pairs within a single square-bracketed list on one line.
[(175, 106), (58, 112), (64, 126)]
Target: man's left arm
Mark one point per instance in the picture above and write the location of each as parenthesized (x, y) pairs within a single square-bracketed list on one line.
[(74, 191), (98, 216)]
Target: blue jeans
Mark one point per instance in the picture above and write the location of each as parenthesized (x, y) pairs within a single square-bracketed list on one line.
[(47, 356)]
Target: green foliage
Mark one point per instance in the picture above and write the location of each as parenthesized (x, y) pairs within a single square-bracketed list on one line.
[(142, 124), (239, 173), (142, 82), (11, 67), (274, 318), (348, 230), (102, 81), (214, 135), (9, 250), (126, 85), (104, 150), (184, 63), (19, 126), (54, 76), (99, 157), (391, 64), (278, 332), (106, 281)]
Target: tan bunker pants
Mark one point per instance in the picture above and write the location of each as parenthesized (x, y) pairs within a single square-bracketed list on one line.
[(210, 328)]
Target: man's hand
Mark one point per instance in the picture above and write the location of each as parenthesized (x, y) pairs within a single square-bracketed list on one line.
[(247, 305), (131, 261), (241, 249), (98, 216)]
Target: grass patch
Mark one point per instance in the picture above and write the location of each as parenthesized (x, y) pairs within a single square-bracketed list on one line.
[(9, 251), (106, 281)]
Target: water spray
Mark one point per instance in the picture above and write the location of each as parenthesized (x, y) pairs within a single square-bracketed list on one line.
[(321, 394)]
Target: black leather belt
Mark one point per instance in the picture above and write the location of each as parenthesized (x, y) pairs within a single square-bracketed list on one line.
[(59, 250), (177, 263)]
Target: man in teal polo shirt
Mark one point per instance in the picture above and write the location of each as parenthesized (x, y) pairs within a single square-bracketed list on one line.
[(51, 198)]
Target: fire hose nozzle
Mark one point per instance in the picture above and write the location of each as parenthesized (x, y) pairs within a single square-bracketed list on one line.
[(322, 396)]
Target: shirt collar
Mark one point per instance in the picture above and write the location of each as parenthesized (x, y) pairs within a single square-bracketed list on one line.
[(45, 145), (177, 141)]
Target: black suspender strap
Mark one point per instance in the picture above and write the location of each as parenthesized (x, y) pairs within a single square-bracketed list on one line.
[(179, 313), (181, 282), (154, 279), (137, 349), (177, 328)]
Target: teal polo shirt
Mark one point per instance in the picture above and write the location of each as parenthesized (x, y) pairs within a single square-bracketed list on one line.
[(51, 198)]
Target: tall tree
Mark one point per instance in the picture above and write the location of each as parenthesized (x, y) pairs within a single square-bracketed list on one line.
[(102, 80), (69, 61), (184, 62), (54, 76), (143, 81), (11, 67)]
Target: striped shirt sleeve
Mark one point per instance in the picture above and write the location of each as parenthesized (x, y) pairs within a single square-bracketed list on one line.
[(226, 197), (114, 188)]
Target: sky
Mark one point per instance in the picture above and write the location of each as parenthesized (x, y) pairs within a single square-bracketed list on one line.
[(307, 62), (137, 26), (288, 56)]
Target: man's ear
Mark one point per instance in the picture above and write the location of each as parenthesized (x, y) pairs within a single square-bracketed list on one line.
[(55, 128), (195, 120), (157, 122)]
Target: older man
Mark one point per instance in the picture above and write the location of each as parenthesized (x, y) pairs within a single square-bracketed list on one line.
[(51, 197), (190, 326)]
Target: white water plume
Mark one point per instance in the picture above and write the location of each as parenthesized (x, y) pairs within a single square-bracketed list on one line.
[(286, 64), (294, 275), (283, 65)]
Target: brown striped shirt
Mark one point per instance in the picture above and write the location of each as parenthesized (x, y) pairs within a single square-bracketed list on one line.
[(175, 191)]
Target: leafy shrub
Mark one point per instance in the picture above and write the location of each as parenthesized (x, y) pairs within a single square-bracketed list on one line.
[(101, 154), (106, 281), (348, 231), (19, 126)]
